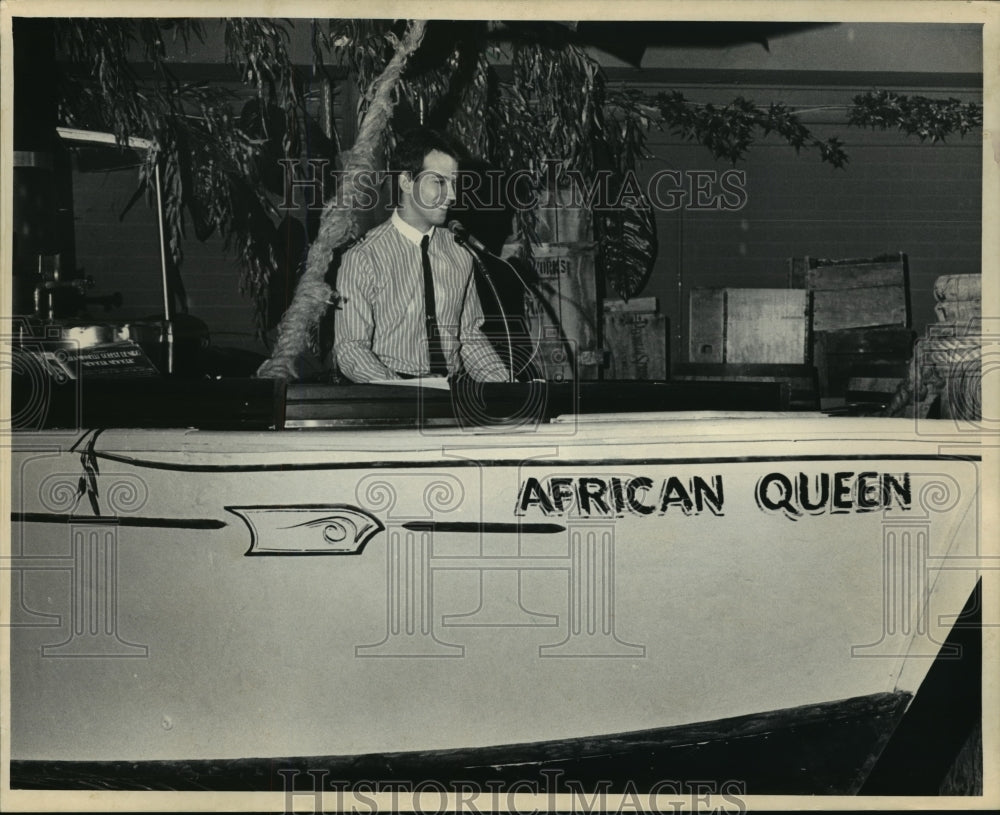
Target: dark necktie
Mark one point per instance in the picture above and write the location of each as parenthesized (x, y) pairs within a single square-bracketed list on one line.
[(438, 366)]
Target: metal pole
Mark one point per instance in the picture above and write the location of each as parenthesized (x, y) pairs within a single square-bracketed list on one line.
[(163, 269)]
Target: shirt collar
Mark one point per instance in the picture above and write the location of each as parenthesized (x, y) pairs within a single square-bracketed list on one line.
[(411, 233)]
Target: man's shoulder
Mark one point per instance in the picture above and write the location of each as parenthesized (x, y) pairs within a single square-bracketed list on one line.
[(372, 239)]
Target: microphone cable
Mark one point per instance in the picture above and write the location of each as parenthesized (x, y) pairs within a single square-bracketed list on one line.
[(473, 245), (477, 263)]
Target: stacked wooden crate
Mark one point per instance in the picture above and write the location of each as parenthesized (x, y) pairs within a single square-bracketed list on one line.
[(757, 326), (860, 322), (839, 332), (855, 293), (751, 335)]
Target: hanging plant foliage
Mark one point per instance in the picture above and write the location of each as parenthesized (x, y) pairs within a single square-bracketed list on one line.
[(933, 119), (626, 247)]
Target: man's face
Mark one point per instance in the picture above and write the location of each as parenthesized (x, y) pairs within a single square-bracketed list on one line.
[(427, 197)]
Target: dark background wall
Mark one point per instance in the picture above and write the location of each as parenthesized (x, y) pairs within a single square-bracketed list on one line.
[(123, 255), (896, 194)]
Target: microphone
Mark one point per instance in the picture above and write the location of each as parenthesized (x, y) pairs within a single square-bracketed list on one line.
[(466, 238)]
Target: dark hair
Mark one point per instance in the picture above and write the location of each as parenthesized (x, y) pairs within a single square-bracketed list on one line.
[(414, 145)]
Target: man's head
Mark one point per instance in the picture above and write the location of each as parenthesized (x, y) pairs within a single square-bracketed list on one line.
[(427, 162)]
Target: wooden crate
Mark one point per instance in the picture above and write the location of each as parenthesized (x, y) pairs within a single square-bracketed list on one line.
[(861, 293), (636, 336), (836, 354), (873, 384), (756, 326), (706, 325), (560, 309)]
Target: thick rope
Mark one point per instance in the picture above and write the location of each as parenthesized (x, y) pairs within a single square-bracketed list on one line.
[(338, 222), (949, 368)]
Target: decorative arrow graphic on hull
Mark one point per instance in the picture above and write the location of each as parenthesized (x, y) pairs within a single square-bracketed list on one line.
[(314, 529)]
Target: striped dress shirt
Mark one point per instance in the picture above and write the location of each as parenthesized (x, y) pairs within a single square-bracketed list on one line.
[(380, 328)]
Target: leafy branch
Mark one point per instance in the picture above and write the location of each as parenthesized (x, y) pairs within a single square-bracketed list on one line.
[(933, 119), (209, 160), (728, 131)]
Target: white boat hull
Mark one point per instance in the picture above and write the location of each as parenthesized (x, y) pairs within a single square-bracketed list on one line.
[(348, 593)]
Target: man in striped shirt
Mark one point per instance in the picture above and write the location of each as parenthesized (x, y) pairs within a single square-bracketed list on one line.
[(381, 328)]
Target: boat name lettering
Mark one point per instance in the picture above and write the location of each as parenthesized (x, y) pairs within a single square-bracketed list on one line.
[(792, 494), (617, 496), (833, 493)]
